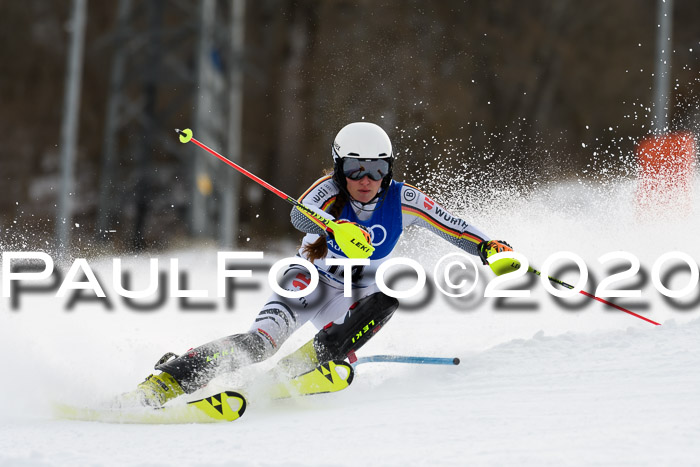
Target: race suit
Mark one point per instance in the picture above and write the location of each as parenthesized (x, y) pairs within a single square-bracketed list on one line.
[(399, 206)]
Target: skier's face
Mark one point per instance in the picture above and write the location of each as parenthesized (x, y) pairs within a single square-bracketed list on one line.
[(364, 189)]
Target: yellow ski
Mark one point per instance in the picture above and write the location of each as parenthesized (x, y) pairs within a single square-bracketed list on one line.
[(328, 377), (223, 407)]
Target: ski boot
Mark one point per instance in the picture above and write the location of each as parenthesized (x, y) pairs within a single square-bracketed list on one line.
[(156, 390), (153, 392), (340, 341), (302, 360)]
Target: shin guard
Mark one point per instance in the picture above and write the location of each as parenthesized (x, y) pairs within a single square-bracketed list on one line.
[(364, 318)]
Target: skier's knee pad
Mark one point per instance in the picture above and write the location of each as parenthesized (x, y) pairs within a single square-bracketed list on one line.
[(364, 318), (200, 365)]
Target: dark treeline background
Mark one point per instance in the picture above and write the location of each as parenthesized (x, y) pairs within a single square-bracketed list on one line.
[(550, 87)]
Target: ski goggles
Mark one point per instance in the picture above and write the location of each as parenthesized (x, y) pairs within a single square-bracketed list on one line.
[(356, 169)]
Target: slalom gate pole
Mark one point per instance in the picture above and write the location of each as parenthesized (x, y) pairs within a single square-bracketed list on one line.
[(406, 359), (348, 236), (601, 300)]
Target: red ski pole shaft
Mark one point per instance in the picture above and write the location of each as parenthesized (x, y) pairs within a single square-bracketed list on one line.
[(186, 137), (589, 295)]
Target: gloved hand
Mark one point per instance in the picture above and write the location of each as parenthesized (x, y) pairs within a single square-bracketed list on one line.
[(364, 230), (354, 239), (491, 247)]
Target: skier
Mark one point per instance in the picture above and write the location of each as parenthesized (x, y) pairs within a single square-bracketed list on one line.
[(361, 190)]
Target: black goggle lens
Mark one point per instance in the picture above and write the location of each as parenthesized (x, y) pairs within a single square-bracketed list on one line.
[(356, 169)]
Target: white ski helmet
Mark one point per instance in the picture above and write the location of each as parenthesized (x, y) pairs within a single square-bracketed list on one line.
[(362, 149)]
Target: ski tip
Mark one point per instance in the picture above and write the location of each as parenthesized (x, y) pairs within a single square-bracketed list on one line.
[(226, 406), (455, 360), (185, 135)]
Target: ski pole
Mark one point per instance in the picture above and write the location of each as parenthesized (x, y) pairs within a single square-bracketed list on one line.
[(406, 359), (589, 295), (349, 237)]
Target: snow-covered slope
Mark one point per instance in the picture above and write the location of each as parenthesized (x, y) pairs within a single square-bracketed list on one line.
[(538, 384), (627, 397)]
